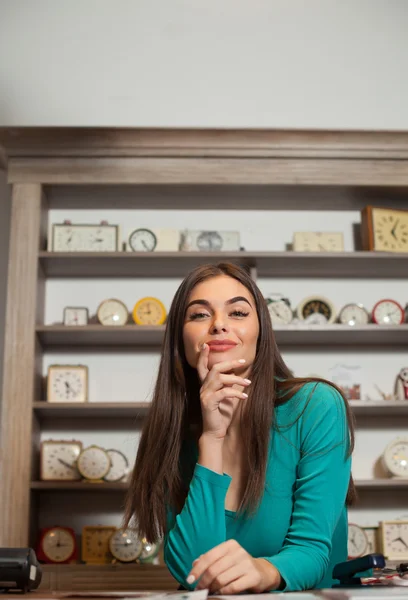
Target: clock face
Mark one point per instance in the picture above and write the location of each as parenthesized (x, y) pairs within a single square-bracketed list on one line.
[(372, 539), (75, 316), (390, 229), (354, 314), (280, 312), (388, 312), (125, 545), (395, 457), (67, 383), (149, 550), (142, 240), (149, 311), (95, 543), (209, 240), (112, 313), (395, 539), (119, 466), (357, 541), (311, 241), (58, 544), (59, 460), (93, 463), (316, 311), (85, 238)]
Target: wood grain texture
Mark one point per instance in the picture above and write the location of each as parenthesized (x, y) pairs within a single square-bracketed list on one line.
[(20, 359), (121, 142), (200, 171)]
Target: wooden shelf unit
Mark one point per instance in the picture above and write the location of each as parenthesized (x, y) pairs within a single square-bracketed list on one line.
[(315, 169)]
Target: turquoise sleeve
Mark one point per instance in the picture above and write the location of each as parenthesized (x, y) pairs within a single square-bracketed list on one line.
[(200, 525), (321, 487)]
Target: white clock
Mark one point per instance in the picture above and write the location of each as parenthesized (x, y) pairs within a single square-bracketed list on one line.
[(112, 312), (315, 241), (357, 542), (68, 237), (94, 463), (119, 466), (354, 314), (394, 539), (67, 383), (58, 460), (75, 315), (125, 545), (210, 241), (395, 457), (279, 309), (153, 240), (388, 312), (372, 537)]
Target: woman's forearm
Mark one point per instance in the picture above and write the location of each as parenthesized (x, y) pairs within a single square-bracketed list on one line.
[(210, 453)]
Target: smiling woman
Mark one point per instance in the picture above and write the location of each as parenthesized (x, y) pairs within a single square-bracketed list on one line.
[(243, 469)]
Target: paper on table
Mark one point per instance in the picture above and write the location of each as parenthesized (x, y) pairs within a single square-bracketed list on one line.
[(269, 596), (130, 595)]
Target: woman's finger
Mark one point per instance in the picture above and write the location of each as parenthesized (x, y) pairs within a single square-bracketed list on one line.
[(202, 363)]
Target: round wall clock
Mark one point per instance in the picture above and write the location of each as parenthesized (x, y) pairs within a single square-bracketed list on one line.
[(149, 311)]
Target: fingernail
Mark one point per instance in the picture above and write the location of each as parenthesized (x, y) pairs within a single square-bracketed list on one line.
[(245, 395), (247, 380), (190, 579), (241, 360), (204, 346)]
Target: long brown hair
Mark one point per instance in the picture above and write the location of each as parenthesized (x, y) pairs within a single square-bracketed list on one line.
[(175, 415)]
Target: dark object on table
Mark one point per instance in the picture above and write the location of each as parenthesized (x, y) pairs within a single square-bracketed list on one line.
[(346, 572), (19, 570)]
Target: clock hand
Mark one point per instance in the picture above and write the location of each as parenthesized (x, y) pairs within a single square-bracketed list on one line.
[(399, 539), (394, 228), (63, 462), (145, 245)]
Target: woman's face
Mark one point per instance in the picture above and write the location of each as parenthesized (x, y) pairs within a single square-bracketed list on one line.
[(221, 309)]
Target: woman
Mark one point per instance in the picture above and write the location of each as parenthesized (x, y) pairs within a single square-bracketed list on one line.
[(242, 468)]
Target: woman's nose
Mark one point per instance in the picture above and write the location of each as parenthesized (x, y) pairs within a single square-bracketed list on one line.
[(218, 325)]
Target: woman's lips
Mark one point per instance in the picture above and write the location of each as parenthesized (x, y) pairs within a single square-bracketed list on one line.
[(220, 347)]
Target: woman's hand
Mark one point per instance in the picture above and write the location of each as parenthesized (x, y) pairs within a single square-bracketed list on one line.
[(218, 397), (229, 569)]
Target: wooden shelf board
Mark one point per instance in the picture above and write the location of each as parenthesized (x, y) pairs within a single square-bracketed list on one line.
[(51, 336), (53, 410), (268, 264), (79, 486)]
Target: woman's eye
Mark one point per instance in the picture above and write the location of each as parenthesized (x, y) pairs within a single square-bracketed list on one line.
[(240, 313), (195, 316)]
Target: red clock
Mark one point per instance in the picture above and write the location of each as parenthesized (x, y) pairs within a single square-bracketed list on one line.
[(57, 545), (388, 312)]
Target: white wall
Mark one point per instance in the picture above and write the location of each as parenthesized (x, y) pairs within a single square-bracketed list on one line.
[(229, 63)]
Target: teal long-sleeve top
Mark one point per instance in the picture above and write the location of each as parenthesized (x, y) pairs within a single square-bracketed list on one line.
[(301, 523)]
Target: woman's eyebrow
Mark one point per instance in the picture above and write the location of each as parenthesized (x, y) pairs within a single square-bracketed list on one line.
[(208, 304)]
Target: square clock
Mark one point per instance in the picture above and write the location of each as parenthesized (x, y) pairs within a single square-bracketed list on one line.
[(76, 315), (67, 383)]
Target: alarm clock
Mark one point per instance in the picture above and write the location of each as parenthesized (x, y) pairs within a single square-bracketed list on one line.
[(312, 241), (149, 311), (357, 542), (316, 310), (395, 457), (401, 385), (149, 551), (279, 309), (388, 312), (57, 545), (75, 315), (354, 314), (119, 466), (125, 545), (95, 543), (210, 241), (66, 237), (67, 383), (58, 460), (112, 312), (384, 229), (94, 463), (394, 539), (153, 240)]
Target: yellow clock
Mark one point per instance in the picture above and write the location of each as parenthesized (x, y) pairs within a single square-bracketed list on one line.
[(384, 229), (149, 311), (95, 543)]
